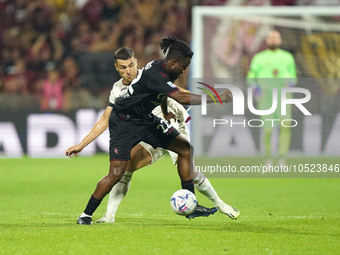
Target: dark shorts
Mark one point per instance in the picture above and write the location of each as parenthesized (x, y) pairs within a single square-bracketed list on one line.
[(126, 132)]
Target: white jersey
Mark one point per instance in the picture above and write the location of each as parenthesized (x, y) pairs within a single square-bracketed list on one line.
[(182, 117)]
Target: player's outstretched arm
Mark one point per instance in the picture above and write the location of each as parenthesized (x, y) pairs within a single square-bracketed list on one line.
[(193, 99), (96, 130), (181, 89)]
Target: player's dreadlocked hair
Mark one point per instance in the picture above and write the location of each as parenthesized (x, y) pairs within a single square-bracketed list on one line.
[(124, 53), (175, 49)]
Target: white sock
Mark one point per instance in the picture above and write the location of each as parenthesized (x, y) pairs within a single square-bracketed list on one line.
[(204, 186), (85, 215), (117, 194)]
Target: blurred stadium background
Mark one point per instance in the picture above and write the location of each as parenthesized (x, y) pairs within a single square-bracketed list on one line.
[(70, 43)]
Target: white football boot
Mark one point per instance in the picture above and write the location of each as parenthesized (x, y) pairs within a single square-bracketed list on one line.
[(106, 219), (228, 210)]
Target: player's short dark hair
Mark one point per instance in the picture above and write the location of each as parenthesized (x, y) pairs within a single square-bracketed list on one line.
[(175, 49), (124, 53)]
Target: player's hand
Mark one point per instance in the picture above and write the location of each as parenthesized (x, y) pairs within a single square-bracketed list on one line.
[(226, 96), (169, 116), (73, 150)]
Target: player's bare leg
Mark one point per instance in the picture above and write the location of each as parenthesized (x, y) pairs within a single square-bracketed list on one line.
[(185, 167), (104, 186), (139, 158), (185, 163), (116, 172)]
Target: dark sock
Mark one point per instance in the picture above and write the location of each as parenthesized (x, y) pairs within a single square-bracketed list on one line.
[(189, 185), (92, 205)]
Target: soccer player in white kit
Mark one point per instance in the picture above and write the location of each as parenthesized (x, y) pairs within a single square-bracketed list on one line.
[(144, 154)]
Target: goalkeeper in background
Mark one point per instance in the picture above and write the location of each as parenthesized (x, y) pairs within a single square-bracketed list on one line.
[(272, 68)]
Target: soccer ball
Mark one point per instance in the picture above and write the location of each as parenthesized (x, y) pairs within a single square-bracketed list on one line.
[(183, 202)]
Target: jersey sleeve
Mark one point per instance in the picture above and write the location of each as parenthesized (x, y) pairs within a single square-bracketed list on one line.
[(160, 83), (112, 97), (115, 91)]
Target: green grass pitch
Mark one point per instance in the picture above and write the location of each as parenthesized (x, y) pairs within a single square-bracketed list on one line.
[(42, 198)]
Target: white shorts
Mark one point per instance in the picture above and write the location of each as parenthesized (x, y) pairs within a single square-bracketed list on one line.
[(160, 152)]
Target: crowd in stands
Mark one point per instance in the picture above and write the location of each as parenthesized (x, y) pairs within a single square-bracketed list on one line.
[(60, 51)]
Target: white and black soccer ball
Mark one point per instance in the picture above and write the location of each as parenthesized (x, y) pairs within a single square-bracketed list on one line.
[(183, 202)]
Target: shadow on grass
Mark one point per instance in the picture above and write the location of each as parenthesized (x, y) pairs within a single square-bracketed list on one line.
[(171, 224), (229, 226)]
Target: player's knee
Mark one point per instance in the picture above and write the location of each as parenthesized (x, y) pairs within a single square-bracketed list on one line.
[(114, 177), (187, 151), (116, 173)]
